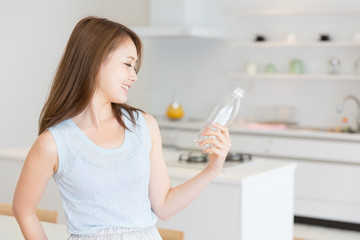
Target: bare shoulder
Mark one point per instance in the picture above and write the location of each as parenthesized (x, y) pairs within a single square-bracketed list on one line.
[(44, 149), (46, 143), (151, 121), (153, 128)]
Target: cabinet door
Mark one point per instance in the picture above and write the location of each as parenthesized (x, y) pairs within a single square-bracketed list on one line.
[(250, 144), (328, 181), (186, 139), (314, 149), (214, 215), (240, 143), (169, 137), (327, 191)]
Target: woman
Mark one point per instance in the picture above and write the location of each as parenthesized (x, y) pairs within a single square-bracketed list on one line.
[(105, 156)]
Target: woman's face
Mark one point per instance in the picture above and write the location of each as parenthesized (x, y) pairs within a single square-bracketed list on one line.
[(117, 73)]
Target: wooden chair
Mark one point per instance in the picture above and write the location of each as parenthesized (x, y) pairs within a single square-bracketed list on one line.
[(169, 234), (43, 215)]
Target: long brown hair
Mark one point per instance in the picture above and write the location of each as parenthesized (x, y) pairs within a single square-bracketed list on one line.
[(74, 83)]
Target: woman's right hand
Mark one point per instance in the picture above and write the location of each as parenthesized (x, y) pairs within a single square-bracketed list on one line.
[(220, 146)]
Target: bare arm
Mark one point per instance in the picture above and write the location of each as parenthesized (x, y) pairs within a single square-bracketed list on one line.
[(40, 165), (167, 201)]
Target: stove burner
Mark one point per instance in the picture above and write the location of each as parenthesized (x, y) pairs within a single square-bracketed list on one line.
[(199, 157), (238, 157)]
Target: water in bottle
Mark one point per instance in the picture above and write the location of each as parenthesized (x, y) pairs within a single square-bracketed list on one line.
[(224, 113)]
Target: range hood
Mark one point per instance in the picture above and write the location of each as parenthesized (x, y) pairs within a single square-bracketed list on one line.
[(176, 19)]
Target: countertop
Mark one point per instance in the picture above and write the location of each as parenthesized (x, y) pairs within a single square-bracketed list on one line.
[(14, 154), (243, 129), (257, 170)]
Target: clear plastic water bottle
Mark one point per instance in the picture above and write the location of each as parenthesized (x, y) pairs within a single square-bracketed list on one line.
[(224, 113)]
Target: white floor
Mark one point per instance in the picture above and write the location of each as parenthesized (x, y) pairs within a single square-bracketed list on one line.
[(309, 232)]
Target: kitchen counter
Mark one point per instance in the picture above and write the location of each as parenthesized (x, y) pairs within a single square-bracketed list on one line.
[(287, 132), (327, 163), (250, 172), (255, 195)]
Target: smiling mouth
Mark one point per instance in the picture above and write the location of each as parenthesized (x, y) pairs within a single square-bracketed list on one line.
[(125, 87)]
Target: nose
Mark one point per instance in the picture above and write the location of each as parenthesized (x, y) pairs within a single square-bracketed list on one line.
[(133, 76)]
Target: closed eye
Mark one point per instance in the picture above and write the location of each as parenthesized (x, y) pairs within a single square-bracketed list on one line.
[(129, 65)]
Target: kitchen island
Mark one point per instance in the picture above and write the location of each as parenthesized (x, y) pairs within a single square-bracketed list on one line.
[(254, 201)]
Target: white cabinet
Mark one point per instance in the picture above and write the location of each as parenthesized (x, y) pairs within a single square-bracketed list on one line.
[(314, 149), (305, 148), (217, 208), (326, 177), (236, 211)]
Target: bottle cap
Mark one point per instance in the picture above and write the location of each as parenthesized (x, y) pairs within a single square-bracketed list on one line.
[(239, 91)]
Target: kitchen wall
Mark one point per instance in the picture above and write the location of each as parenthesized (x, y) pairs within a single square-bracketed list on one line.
[(197, 69), (33, 37)]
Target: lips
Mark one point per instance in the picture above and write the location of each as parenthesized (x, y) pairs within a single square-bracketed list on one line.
[(126, 87)]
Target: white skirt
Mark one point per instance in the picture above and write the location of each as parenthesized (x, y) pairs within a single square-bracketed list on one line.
[(120, 234)]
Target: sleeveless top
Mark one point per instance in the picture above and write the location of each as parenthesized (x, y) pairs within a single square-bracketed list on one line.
[(104, 188)]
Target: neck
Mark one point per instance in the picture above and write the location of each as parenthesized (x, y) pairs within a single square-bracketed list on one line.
[(95, 115)]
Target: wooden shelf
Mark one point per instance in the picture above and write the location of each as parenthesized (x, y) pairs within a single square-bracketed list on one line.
[(294, 76), (269, 44), (289, 12), (178, 32)]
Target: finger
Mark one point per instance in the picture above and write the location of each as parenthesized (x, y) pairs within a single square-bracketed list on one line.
[(213, 141), (216, 151), (223, 129), (210, 131), (213, 150), (222, 133), (218, 134)]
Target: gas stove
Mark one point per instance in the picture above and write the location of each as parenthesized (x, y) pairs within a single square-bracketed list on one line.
[(198, 160), (197, 157)]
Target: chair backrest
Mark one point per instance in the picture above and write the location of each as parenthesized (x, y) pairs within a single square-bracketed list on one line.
[(169, 234), (6, 209), (43, 214)]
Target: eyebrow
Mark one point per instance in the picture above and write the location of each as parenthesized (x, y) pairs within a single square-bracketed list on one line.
[(131, 58)]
